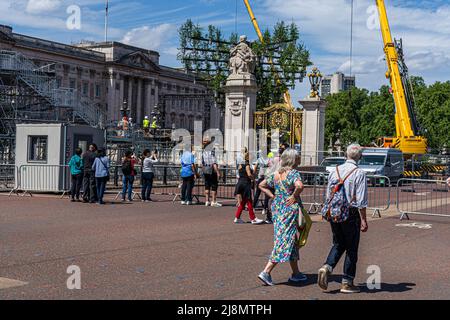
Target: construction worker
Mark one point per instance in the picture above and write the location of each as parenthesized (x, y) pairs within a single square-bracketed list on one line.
[(146, 125), (154, 125)]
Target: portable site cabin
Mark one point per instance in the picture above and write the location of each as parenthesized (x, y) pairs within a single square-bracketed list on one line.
[(44, 150)]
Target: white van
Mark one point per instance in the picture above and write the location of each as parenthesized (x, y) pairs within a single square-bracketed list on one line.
[(383, 161)]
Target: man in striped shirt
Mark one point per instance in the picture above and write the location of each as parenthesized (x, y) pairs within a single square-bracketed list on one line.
[(346, 235)]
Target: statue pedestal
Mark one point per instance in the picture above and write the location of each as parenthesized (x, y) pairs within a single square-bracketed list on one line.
[(313, 136), (240, 94)]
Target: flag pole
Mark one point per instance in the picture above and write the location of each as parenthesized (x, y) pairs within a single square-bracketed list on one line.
[(106, 20)]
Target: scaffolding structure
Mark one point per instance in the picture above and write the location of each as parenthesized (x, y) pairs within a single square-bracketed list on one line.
[(137, 139), (29, 94)]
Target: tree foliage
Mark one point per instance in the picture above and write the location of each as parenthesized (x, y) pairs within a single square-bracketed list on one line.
[(362, 116), (206, 52)]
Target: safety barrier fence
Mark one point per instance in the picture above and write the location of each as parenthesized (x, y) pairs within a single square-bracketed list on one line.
[(43, 178), (167, 181), (413, 196), (315, 192), (423, 197), (8, 177)]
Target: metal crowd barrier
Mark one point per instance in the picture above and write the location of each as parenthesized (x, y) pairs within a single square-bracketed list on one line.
[(423, 197), (43, 178), (315, 192), (167, 181), (8, 178)]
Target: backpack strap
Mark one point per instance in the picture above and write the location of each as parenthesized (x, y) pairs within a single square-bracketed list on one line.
[(348, 175), (341, 182)]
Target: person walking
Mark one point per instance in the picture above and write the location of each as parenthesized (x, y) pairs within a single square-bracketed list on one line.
[(211, 174), (261, 166), (286, 207), (243, 191), (76, 171), (150, 158), (188, 175), (89, 185), (345, 209), (129, 173), (101, 168)]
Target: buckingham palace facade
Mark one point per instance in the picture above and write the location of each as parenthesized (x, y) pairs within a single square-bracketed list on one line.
[(109, 73)]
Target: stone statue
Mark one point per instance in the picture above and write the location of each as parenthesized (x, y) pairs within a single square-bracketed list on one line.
[(242, 58)]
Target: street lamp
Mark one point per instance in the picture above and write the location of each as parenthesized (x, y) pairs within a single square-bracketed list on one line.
[(315, 78), (124, 109)]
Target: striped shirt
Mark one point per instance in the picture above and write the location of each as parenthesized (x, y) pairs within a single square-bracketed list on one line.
[(355, 186), (209, 158)]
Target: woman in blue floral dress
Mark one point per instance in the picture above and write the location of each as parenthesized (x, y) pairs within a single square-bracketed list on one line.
[(285, 208)]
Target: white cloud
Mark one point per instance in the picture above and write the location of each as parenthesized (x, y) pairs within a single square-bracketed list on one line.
[(361, 66), (325, 29), (150, 37), (42, 6), (428, 60)]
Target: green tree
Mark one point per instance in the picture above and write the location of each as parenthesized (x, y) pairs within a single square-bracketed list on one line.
[(433, 106), (207, 52), (343, 116), (363, 117)]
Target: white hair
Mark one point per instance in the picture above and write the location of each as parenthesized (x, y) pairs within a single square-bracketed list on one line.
[(354, 152), (288, 160)]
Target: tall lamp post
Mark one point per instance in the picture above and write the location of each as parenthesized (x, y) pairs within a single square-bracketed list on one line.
[(124, 109), (315, 78)]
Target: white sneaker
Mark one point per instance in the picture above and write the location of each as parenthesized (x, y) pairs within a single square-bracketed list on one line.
[(189, 203), (183, 202), (207, 204), (238, 221), (257, 221), (216, 205)]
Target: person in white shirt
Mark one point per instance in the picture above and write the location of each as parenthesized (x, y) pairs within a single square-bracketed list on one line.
[(150, 158)]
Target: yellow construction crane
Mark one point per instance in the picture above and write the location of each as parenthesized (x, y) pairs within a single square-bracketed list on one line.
[(407, 137), (286, 95)]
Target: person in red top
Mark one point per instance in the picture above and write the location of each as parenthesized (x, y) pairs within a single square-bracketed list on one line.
[(129, 173)]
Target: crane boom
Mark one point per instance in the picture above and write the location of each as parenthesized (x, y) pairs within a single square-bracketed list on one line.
[(407, 138), (286, 95)]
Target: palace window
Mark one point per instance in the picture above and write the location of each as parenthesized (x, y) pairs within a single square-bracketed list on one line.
[(98, 90), (85, 88)]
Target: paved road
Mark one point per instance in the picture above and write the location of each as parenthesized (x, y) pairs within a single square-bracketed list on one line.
[(168, 251)]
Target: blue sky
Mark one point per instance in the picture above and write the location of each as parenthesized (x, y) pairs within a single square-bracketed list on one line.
[(324, 26)]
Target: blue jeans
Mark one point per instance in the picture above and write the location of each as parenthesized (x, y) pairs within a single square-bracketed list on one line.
[(346, 237), (147, 185), (127, 182), (101, 187), (186, 188)]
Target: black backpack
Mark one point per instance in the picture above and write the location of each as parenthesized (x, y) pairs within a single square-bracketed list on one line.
[(126, 168)]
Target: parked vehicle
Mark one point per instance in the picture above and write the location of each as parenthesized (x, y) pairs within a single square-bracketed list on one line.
[(330, 163), (383, 161)]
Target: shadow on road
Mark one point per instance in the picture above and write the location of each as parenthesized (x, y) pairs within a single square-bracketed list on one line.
[(312, 280), (385, 287)]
